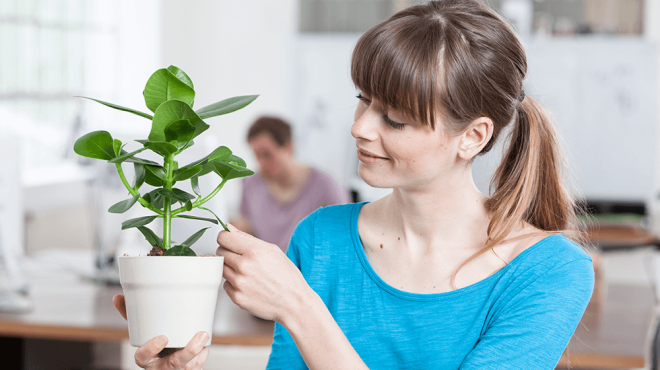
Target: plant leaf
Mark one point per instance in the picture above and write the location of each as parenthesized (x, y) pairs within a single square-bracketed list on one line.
[(176, 194), (220, 153), (96, 144), (162, 148), (180, 131), (155, 199), (181, 75), (159, 172), (197, 218), (151, 237), (170, 112), (216, 216), (116, 145), (226, 106), (195, 237), (194, 183), (230, 171), (187, 172), (140, 174), (124, 205), (180, 251), (145, 115), (163, 86), (125, 156), (151, 179), (136, 222)]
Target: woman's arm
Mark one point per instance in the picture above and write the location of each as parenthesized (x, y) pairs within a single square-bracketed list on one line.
[(265, 282)]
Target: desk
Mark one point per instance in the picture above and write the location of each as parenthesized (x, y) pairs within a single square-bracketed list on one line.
[(69, 308)]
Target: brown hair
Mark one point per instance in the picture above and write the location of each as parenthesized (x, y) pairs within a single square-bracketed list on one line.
[(455, 61), (276, 128)]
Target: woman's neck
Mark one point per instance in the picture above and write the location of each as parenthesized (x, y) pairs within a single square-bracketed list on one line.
[(446, 212)]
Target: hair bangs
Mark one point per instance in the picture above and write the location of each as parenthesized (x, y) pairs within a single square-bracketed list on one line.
[(398, 63)]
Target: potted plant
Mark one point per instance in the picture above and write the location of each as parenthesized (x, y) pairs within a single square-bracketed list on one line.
[(174, 295)]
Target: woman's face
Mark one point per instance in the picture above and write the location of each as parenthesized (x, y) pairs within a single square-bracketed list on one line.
[(395, 151)]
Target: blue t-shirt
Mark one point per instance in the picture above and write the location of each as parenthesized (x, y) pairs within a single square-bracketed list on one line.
[(521, 317)]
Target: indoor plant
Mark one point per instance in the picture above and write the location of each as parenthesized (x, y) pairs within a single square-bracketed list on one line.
[(172, 296)]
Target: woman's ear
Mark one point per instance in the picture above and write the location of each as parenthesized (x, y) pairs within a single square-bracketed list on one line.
[(475, 138)]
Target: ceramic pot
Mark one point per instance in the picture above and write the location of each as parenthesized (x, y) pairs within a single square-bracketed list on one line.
[(171, 296)]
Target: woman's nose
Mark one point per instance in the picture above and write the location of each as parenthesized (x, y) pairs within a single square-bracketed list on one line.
[(365, 125)]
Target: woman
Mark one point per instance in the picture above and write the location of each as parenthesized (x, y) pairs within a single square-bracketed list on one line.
[(435, 275)]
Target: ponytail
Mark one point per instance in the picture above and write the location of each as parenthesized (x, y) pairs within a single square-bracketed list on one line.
[(528, 186)]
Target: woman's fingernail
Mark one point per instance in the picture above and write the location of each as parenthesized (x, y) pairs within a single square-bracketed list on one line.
[(161, 341), (203, 337)]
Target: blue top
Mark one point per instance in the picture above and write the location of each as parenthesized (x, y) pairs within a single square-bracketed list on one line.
[(521, 317)]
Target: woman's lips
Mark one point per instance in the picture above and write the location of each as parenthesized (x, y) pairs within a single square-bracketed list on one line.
[(368, 157)]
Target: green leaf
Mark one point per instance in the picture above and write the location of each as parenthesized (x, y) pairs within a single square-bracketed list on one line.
[(161, 147), (236, 160), (96, 144), (194, 183), (124, 205), (230, 171), (125, 156), (197, 218), (151, 237), (159, 172), (180, 131), (188, 206), (180, 251), (221, 153), (155, 199), (136, 222), (195, 237), (226, 106), (187, 172), (216, 217), (145, 115), (140, 174), (170, 112), (164, 86), (181, 75), (176, 194), (151, 179), (116, 145)]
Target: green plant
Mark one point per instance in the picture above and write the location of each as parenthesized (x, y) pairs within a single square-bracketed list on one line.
[(169, 94)]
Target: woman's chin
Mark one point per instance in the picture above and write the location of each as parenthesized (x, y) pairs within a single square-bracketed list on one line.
[(372, 179)]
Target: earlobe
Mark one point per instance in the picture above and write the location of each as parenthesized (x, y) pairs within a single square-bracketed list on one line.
[(475, 138)]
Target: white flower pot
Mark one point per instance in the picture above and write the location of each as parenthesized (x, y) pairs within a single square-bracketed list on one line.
[(171, 296)]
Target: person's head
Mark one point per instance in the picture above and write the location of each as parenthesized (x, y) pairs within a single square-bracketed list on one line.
[(270, 139), (453, 70)]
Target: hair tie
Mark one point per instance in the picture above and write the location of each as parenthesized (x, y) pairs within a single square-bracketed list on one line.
[(522, 96)]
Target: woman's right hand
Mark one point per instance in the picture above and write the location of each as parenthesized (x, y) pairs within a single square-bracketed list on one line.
[(192, 357)]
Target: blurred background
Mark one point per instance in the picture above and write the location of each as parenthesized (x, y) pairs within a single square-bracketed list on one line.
[(593, 63)]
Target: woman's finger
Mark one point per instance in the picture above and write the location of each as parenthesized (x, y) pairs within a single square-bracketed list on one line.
[(229, 274), (149, 352), (231, 258), (232, 241), (201, 359), (242, 233), (184, 357), (120, 304)]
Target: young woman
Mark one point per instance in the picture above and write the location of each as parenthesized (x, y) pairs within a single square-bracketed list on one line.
[(435, 275)]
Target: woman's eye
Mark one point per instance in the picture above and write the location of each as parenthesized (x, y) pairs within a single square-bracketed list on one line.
[(362, 98), (396, 125)]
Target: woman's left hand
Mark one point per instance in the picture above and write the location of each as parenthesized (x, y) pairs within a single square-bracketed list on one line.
[(260, 278)]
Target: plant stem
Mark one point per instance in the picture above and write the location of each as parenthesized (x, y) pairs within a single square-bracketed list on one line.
[(201, 201), (134, 192), (167, 219)]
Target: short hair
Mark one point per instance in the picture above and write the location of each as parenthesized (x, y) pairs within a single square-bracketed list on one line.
[(276, 128)]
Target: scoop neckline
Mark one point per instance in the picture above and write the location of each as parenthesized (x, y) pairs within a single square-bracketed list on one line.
[(359, 250)]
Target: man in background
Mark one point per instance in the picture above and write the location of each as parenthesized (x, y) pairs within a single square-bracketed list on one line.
[(284, 191)]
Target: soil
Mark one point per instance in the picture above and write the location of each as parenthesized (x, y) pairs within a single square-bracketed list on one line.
[(156, 251)]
